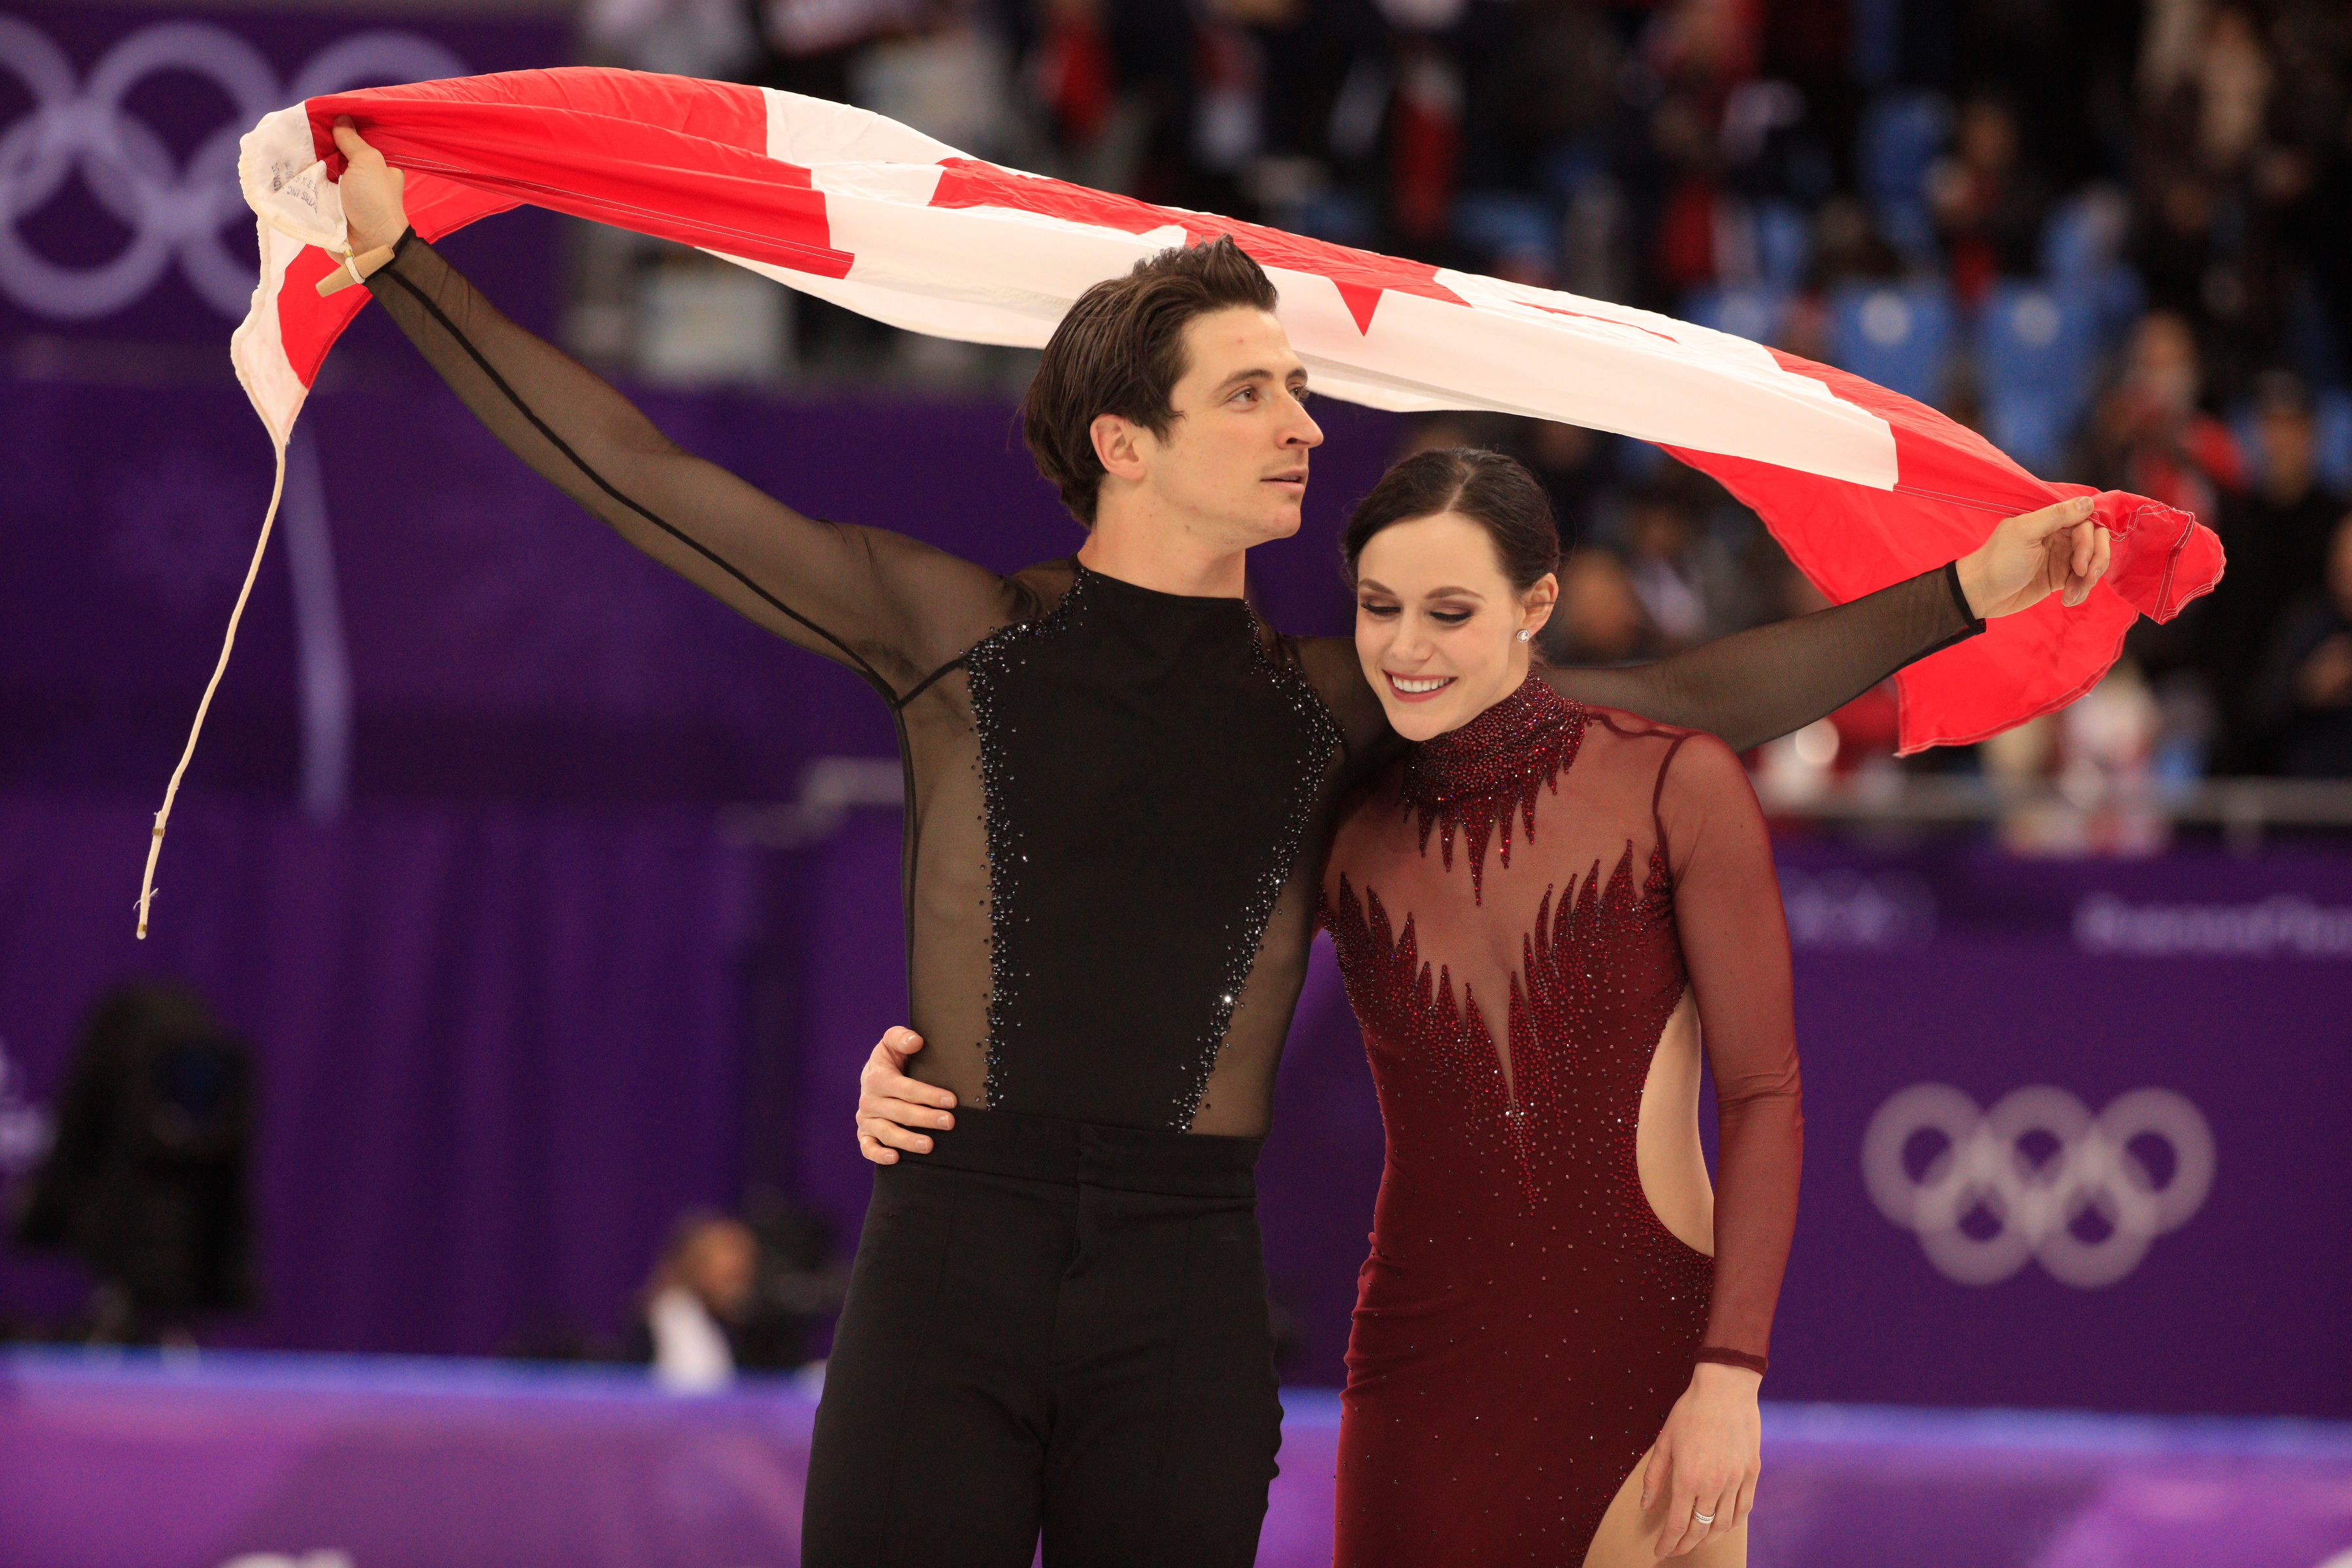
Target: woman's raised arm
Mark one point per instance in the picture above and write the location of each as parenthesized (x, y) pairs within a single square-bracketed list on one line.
[(1759, 684)]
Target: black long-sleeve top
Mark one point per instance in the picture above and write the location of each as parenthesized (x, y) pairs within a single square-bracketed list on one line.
[(1117, 799)]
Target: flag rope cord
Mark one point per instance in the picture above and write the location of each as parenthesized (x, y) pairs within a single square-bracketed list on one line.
[(172, 790)]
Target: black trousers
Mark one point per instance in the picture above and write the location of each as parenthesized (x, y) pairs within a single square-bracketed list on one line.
[(1051, 1328)]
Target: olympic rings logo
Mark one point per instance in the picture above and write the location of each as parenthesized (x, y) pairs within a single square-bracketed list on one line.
[(173, 211), (2037, 1176)]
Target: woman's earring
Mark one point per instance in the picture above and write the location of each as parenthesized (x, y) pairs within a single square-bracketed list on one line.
[(1526, 636)]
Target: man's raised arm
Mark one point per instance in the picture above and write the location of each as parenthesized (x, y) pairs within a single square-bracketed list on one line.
[(887, 605), (1756, 685)]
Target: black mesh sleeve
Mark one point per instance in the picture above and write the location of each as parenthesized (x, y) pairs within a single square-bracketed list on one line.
[(890, 606), (1756, 685)]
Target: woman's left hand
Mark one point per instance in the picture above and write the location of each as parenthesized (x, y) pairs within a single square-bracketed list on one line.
[(2058, 550), (1706, 1458)]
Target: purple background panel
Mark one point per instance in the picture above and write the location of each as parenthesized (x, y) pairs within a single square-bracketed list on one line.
[(501, 643), (171, 328), (521, 1002), (2221, 1315), (498, 1051), (1977, 980)]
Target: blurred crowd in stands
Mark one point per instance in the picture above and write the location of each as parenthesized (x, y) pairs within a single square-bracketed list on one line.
[(2114, 236)]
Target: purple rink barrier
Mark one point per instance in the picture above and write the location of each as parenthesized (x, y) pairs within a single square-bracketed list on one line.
[(132, 1462)]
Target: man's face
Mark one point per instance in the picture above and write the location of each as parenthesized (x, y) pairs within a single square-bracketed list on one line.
[(1233, 464)]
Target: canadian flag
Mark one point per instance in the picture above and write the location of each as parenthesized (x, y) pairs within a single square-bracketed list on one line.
[(1861, 487)]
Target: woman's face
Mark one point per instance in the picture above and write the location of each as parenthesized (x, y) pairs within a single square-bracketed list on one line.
[(1438, 624)]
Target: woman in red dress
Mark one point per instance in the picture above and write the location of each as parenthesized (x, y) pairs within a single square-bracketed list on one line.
[(1547, 914)]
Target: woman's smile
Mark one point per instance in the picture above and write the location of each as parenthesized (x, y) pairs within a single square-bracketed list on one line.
[(1416, 688)]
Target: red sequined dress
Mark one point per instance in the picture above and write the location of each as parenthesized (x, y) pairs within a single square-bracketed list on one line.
[(1519, 907)]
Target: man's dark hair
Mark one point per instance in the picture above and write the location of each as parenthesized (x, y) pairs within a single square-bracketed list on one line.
[(1121, 351)]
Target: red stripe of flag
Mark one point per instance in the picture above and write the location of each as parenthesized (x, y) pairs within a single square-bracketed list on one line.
[(667, 156)]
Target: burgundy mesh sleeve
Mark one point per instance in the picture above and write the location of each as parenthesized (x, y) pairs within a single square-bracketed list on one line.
[(1736, 948), (888, 606)]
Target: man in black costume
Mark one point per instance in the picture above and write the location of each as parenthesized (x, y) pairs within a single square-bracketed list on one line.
[(1119, 784)]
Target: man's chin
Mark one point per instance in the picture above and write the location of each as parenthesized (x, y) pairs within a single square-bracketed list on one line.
[(1282, 525)]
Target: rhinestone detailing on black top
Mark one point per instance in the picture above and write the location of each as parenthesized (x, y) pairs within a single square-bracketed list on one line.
[(1152, 772)]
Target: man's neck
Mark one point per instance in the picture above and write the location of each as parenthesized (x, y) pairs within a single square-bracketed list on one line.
[(1162, 553)]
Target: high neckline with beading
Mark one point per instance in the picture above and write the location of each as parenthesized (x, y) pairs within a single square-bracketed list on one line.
[(1490, 771)]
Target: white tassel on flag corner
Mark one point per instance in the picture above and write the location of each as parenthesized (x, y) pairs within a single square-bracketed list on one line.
[(259, 353)]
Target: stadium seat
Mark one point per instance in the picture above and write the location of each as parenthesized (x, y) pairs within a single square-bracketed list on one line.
[(2082, 254), (1501, 224), (1902, 135), (1758, 314), (1896, 334), (2335, 411), (2037, 354), (1784, 245)]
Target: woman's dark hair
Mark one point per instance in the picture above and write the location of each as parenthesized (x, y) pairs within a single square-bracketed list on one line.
[(1121, 351), (1490, 488)]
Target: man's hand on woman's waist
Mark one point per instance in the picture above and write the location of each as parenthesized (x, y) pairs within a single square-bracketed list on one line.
[(892, 1107)]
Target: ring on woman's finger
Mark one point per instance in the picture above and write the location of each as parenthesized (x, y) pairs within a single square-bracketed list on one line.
[(1702, 1518)]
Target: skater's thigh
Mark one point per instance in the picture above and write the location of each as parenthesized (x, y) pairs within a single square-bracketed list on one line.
[(1169, 1416), (1628, 1535), (929, 1439)]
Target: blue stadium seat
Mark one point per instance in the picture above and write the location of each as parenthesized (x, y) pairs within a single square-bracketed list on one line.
[(2082, 255), (1896, 334), (1758, 314), (1902, 135), (1784, 244), (2334, 413), (1337, 215), (2037, 351), (1509, 223), (2084, 235)]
